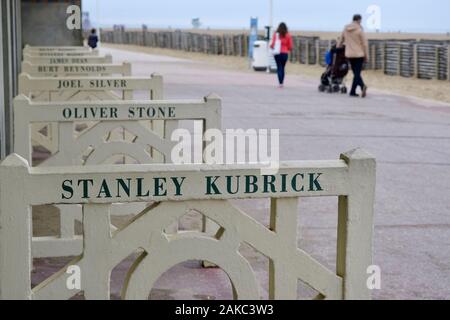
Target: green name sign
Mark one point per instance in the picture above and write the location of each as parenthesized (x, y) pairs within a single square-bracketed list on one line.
[(92, 84), (123, 188), (68, 60), (71, 69), (111, 113)]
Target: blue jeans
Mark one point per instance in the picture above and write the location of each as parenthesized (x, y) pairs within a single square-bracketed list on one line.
[(281, 60)]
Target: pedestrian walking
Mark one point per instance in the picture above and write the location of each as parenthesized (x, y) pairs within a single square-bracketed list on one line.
[(356, 51), (281, 47), (93, 39)]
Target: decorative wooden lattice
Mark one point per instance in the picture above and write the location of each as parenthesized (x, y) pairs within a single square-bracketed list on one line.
[(82, 89), (102, 144), (352, 179)]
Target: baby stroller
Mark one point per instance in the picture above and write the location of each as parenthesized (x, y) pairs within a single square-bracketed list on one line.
[(332, 80)]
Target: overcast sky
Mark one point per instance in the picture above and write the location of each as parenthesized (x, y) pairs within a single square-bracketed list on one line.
[(321, 15)]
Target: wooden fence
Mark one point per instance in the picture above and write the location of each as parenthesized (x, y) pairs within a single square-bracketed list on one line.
[(423, 59)]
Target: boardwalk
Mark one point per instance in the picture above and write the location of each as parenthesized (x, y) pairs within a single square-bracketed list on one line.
[(410, 139)]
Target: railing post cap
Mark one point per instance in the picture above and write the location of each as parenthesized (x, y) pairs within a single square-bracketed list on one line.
[(14, 160), (356, 154), (21, 97), (24, 75), (213, 96)]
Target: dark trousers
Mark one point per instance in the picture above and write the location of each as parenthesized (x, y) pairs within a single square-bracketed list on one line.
[(357, 65), (281, 60)]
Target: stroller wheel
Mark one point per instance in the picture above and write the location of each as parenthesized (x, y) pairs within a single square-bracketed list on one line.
[(321, 88), (336, 88), (344, 90)]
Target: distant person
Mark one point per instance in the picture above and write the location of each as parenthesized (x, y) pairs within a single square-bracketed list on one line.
[(282, 35), (356, 50), (93, 39)]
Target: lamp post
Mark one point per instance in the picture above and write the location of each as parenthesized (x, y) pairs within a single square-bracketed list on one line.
[(271, 13), (270, 58), (97, 3)]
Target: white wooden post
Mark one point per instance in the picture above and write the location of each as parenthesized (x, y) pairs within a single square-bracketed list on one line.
[(15, 231), (157, 125), (355, 225), (214, 122), (127, 69), (22, 129), (97, 237), (67, 220), (283, 221)]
